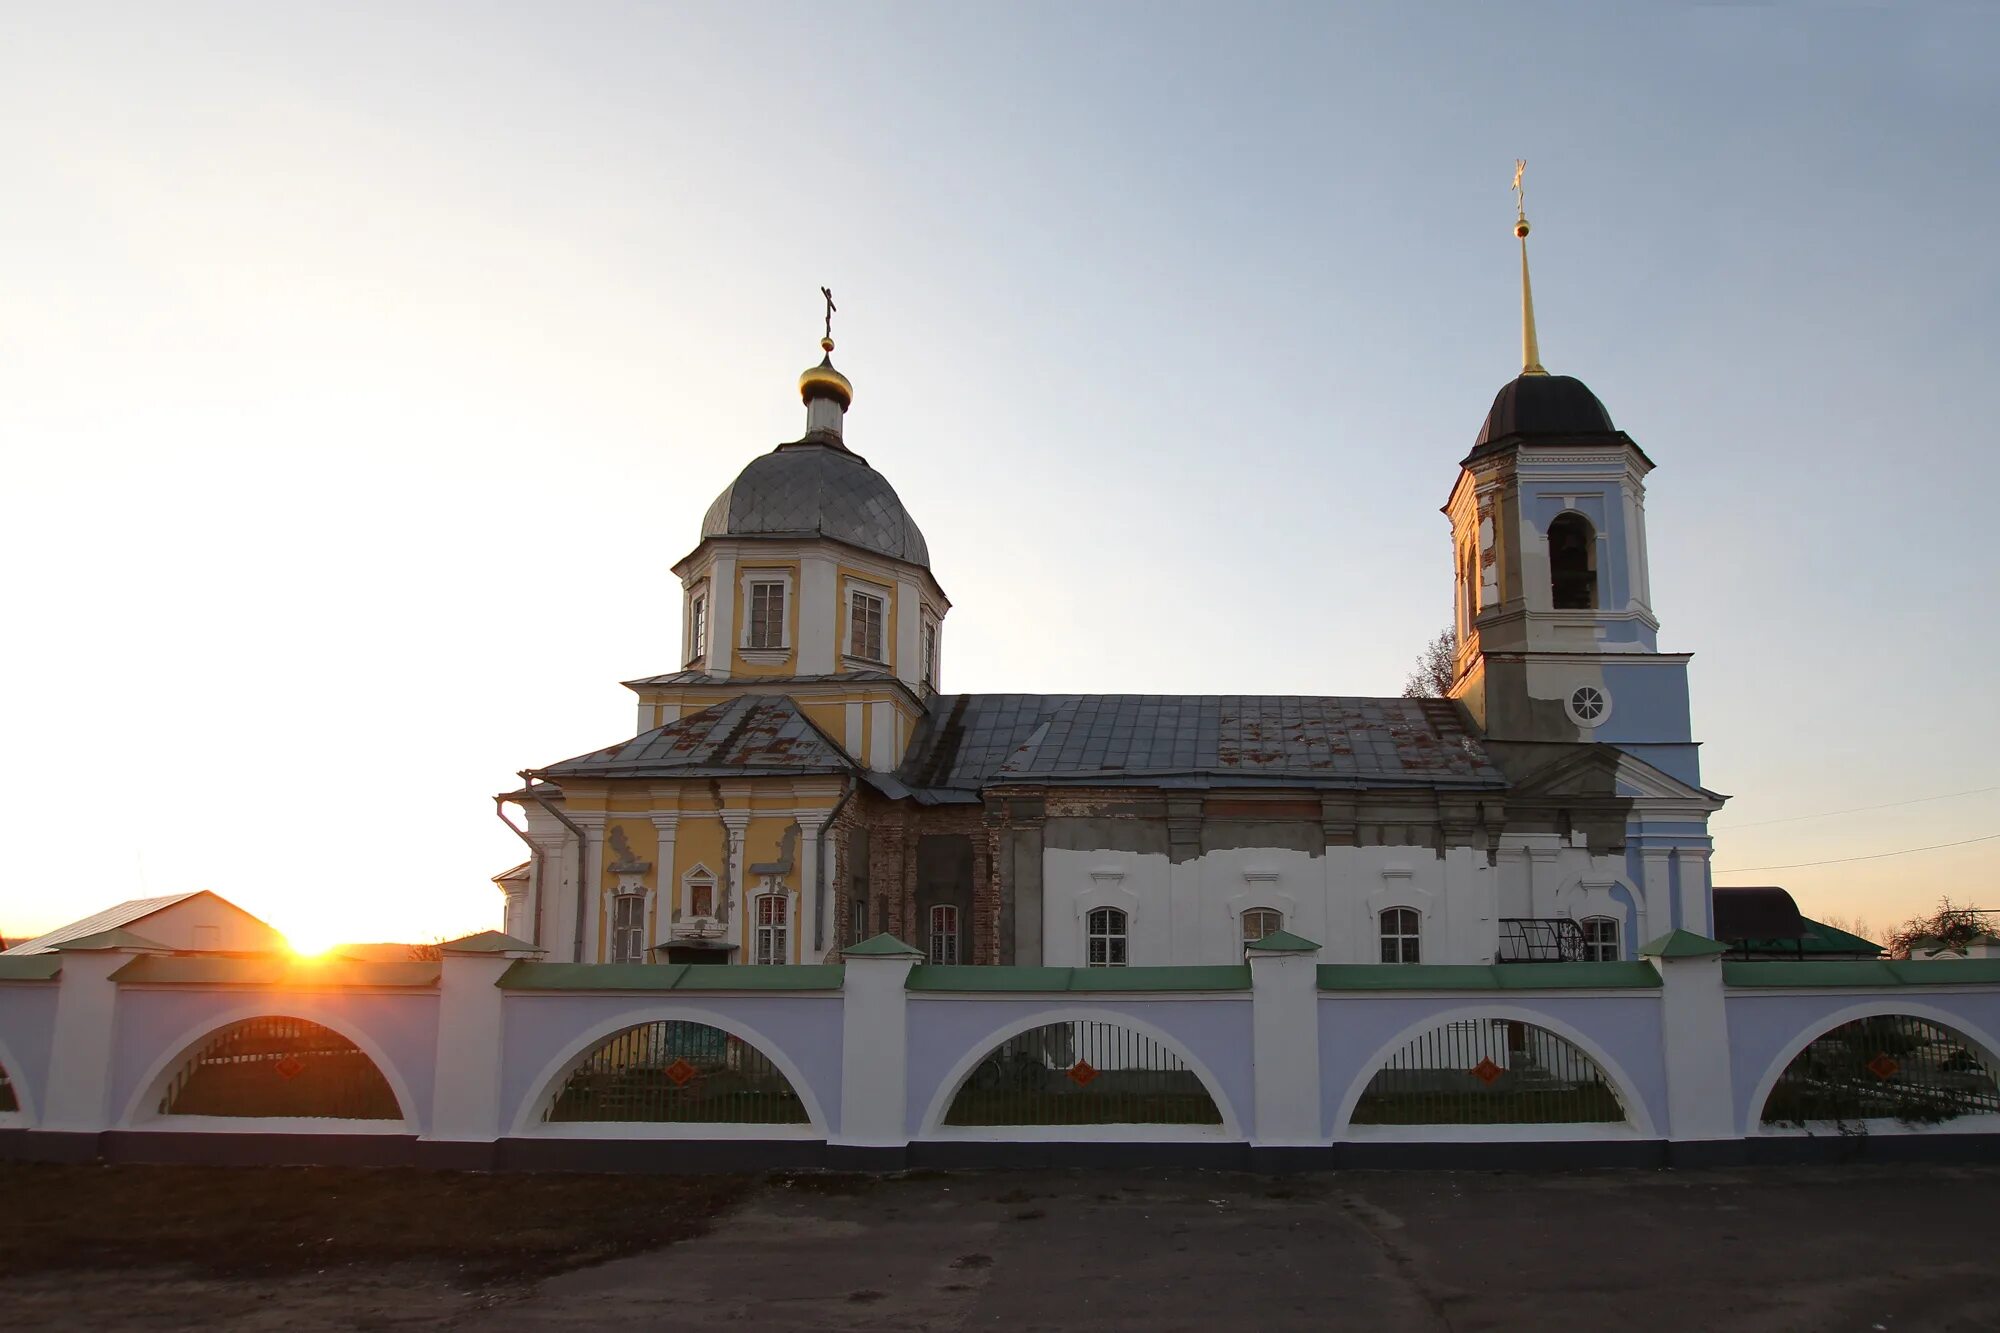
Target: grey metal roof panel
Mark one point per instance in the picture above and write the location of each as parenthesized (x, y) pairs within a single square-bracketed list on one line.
[(1196, 740), (744, 734), (816, 487)]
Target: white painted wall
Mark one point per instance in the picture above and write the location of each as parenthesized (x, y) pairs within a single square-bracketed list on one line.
[(208, 923), (1191, 913)]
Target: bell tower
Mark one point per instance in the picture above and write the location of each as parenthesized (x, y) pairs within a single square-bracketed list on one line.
[(1556, 633)]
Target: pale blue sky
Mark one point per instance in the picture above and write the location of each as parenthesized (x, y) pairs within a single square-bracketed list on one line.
[(363, 368)]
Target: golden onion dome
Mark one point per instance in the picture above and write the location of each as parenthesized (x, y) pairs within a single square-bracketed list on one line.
[(823, 381)]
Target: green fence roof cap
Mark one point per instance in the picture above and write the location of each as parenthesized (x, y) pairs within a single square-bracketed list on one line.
[(489, 941), (882, 946), (1683, 944), (1282, 941)]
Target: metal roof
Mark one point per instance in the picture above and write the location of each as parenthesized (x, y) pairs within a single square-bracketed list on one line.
[(977, 740), (817, 487), (747, 734), (111, 918)]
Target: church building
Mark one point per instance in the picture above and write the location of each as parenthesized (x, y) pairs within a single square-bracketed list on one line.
[(802, 781)]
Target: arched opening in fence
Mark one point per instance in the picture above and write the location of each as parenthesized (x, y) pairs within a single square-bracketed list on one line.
[(1885, 1066), (676, 1071), (1082, 1072), (8, 1101), (1489, 1071), (278, 1067)]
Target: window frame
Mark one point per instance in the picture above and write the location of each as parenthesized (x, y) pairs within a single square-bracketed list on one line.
[(1243, 923), (697, 620), (928, 649), (1407, 944), (857, 919), (632, 949), (1570, 520), (947, 934), (857, 624), (1603, 940), (752, 627), (771, 938), (1115, 933)]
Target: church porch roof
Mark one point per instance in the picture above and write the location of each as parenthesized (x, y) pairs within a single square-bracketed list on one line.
[(739, 737)]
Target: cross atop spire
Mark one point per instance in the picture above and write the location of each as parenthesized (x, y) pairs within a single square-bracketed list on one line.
[(1531, 352), (827, 341)]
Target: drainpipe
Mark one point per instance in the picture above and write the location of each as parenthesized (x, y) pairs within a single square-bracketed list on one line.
[(534, 872), (825, 841), (582, 867)]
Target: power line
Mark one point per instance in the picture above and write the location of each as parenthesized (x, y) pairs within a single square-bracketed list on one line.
[(1841, 860), (1858, 809)]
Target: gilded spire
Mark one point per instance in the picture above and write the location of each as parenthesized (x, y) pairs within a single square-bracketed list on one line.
[(1531, 352)]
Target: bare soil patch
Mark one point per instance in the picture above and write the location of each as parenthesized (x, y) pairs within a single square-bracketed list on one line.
[(261, 1221)]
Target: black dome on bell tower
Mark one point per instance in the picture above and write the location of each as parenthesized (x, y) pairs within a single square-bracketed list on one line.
[(1544, 405)]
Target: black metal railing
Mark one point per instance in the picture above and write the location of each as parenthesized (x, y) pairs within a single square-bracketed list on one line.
[(1488, 1072), (672, 1071), (1082, 1073), (1540, 939), (280, 1067), (1892, 1066)]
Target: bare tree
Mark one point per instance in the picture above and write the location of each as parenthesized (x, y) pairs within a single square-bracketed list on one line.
[(1951, 925), (1853, 925), (1437, 667)]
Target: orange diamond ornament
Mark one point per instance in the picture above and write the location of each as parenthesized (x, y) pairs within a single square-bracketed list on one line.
[(680, 1071), (290, 1067), (1081, 1073), (1883, 1066), (1486, 1071)]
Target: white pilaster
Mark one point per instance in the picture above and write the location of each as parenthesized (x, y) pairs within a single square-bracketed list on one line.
[(909, 622), (1284, 1028), (78, 1097), (592, 888), (821, 617), (811, 822), (465, 1105), (873, 1048), (667, 895), (1694, 889), (721, 616), (882, 755), (737, 822), (1701, 1098)]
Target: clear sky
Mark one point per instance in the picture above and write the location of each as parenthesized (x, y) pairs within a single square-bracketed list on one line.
[(364, 368)]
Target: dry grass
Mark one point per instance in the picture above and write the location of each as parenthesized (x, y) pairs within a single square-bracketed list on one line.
[(236, 1221)]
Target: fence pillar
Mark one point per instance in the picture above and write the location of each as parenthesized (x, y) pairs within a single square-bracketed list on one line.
[(78, 1099), (1694, 1027), (1284, 1024), (874, 1055), (465, 1103)]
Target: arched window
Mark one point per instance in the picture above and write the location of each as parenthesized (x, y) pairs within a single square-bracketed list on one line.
[(1105, 937), (8, 1102), (1572, 563), (1261, 921), (628, 928), (944, 935), (771, 921), (1400, 935), (1600, 940)]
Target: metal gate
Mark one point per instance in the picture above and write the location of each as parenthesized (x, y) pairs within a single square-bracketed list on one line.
[(671, 1070), (280, 1067)]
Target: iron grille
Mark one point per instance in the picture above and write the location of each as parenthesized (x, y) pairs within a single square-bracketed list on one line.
[(1877, 1068), (1540, 939), (1488, 1072), (1082, 1073), (280, 1067), (676, 1071), (7, 1101)]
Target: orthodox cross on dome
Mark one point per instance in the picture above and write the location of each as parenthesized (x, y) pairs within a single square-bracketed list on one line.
[(1531, 352), (827, 341)]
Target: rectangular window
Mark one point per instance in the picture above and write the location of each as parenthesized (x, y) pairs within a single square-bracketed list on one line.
[(944, 935), (697, 626), (1402, 937), (1261, 921), (930, 654), (865, 627), (1600, 940), (1105, 938), (628, 929), (767, 616), (771, 909), (857, 930)]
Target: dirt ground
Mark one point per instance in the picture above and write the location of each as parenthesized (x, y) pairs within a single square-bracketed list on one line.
[(1824, 1248)]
